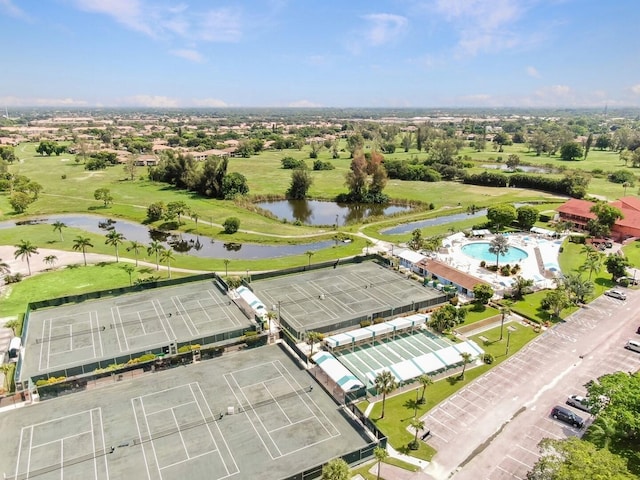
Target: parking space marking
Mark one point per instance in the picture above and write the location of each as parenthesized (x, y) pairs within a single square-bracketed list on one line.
[(520, 462)]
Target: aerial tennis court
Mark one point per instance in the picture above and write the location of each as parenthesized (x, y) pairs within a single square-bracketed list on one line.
[(85, 334), (327, 299), (253, 414)]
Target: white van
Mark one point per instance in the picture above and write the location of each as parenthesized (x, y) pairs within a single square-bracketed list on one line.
[(633, 345)]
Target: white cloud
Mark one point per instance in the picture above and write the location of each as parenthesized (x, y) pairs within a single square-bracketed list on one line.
[(533, 72), (7, 7), (150, 101), (483, 25), (383, 28), (12, 101), (164, 22), (635, 89), (304, 104), (188, 54), (208, 102)]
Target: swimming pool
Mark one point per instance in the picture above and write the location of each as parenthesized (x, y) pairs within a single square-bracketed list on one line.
[(480, 251)]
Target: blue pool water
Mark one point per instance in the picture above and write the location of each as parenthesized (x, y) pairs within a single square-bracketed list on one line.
[(480, 251)]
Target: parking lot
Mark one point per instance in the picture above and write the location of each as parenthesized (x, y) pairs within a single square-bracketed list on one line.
[(504, 414)]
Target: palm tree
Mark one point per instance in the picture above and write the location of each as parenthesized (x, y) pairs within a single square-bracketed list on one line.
[(381, 454), (127, 267), (50, 260), (593, 263), (368, 243), (154, 249), (5, 368), (58, 226), (504, 311), (24, 250), (521, 287), (114, 238), (135, 247), (82, 243), (226, 267), (195, 217), (336, 469), (309, 254), (499, 245), (626, 185), (312, 338), (417, 425), (385, 383), (425, 380), (166, 256), (13, 325), (4, 267), (466, 358)]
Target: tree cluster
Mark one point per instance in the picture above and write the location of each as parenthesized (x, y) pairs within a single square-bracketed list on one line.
[(366, 180), (49, 147), (209, 178)]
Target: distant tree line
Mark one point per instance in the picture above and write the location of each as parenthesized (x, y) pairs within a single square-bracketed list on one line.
[(574, 185)]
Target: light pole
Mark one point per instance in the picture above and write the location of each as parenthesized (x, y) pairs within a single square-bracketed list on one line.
[(248, 277), (415, 405), (508, 339), (337, 224)]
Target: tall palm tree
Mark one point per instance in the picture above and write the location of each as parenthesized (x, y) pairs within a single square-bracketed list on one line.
[(310, 254), (50, 260), (312, 338), (385, 383), (5, 368), (425, 380), (226, 267), (58, 226), (82, 243), (154, 249), (417, 425), (466, 358), (114, 238), (24, 250), (166, 256), (381, 454), (135, 247), (499, 245), (593, 263)]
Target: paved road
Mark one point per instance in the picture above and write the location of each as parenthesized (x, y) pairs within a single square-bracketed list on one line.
[(491, 428)]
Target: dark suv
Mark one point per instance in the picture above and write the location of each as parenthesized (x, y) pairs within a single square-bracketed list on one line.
[(567, 416)]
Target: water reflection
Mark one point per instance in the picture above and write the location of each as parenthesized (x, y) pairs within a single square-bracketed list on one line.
[(183, 243), (317, 212)]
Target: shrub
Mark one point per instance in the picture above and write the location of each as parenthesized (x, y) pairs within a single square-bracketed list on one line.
[(365, 323), (290, 163), (488, 358), (483, 264), (231, 225), (15, 278)]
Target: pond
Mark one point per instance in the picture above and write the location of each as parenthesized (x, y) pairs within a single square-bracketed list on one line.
[(445, 219), (318, 212), (179, 242)]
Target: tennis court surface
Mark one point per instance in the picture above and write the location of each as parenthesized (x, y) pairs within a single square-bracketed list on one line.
[(247, 415), (75, 338), (335, 298)]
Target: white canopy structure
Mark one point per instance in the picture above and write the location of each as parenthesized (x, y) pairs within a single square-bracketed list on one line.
[(469, 347), (449, 355), (430, 363), (253, 301), (543, 231), (337, 372)]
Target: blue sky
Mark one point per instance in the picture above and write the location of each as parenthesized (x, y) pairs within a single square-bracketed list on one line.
[(325, 53)]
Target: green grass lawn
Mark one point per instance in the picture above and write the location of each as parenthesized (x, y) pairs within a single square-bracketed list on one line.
[(399, 409), (475, 315), (69, 281), (632, 252)]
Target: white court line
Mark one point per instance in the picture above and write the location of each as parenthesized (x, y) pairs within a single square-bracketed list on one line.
[(184, 445), (278, 365), (104, 444), (49, 343), (277, 403), (144, 454), (144, 330), (153, 447), (170, 408), (93, 442), (219, 431), (156, 304), (61, 459), (114, 326), (59, 439), (124, 333), (44, 323), (185, 316), (234, 320), (253, 425)]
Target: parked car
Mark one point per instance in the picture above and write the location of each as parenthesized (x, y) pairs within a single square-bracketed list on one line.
[(567, 416), (616, 294), (627, 281), (582, 403), (633, 345), (579, 402), (638, 331)]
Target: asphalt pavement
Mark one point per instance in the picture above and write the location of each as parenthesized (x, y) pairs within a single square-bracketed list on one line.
[(491, 428)]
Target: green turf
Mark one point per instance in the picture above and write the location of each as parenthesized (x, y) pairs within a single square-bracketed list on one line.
[(475, 314)]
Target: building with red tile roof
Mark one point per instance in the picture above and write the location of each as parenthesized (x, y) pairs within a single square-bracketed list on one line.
[(578, 213)]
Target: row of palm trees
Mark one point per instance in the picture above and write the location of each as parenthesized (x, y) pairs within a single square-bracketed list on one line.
[(25, 250)]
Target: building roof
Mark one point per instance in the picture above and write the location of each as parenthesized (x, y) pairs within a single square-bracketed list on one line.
[(454, 275), (579, 208)]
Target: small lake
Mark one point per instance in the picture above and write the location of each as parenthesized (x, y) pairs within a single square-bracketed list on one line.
[(190, 244), (445, 219), (318, 212), (523, 168)]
